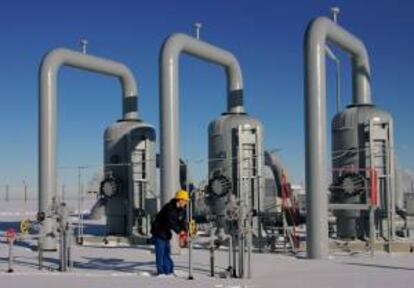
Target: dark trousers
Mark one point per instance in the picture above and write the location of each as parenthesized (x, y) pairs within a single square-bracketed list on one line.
[(165, 264)]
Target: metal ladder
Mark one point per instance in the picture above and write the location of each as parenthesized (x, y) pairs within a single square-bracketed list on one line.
[(381, 149), (139, 182), (289, 231)]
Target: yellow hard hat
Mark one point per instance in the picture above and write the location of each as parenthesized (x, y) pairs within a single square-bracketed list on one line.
[(182, 195)]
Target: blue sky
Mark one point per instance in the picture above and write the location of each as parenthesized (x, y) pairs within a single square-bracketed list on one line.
[(266, 36)]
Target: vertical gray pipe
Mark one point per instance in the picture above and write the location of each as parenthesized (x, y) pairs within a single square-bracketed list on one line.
[(11, 256), (48, 74), (319, 32), (169, 100)]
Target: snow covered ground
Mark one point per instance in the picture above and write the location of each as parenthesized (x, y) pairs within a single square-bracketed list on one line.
[(124, 267)]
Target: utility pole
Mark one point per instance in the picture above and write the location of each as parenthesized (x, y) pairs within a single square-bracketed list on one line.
[(7, 192), (25, 190), (63, 192)]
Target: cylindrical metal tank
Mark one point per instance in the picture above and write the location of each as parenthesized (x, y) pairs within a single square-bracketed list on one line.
[(361, 140), (130, 177), (235, 163)]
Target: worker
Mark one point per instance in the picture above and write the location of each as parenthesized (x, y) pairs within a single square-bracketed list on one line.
[(171, 217)]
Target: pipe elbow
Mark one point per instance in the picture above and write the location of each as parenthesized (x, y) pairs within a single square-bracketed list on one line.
[(129, 91), (317, 31), (234, 73), (320, 23), (173, 45), (52, 60), (177, 43), (361, 56), (128, 81), (322, 29), (178, 39)]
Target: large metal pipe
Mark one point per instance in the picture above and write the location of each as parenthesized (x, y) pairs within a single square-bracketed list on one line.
[(48, 75), (169, 100), (273, 161), (319, 32)]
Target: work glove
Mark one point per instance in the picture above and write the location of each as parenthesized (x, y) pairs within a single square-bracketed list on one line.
[(182, 239)]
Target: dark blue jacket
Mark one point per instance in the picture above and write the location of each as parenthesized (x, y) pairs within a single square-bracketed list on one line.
[(169, 218)]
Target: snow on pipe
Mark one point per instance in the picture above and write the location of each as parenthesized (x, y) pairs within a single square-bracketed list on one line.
[(319, 32), (98, 209), (169, 100), (48, 75)]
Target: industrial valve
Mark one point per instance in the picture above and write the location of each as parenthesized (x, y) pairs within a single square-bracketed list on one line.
[(25, 226), (40, 216), (192, 228), (233, 210)]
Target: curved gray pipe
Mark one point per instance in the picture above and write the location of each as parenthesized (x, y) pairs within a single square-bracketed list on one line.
[(169, 100), (275, 165), (320, 31), (48, 75)]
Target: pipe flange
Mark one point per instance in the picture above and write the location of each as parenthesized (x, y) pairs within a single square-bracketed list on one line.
[(219, 186), (110, 187), (350, 184)]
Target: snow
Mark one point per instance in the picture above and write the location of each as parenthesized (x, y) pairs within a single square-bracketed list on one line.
[(120, 266)]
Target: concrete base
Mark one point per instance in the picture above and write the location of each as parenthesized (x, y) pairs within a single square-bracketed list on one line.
[(358, 246), (400, 246), (114, 240)]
